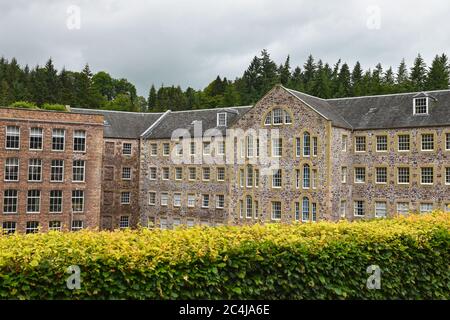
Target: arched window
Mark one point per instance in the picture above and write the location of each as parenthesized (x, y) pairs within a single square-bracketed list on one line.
[(306, 176), (249, 207), (278, 116), (306, 144), (305, 209)]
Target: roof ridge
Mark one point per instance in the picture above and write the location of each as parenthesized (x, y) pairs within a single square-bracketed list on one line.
[(116, 111), (387, 95), (209, 109)]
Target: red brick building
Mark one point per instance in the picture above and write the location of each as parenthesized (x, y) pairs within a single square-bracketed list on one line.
[(51, 170)]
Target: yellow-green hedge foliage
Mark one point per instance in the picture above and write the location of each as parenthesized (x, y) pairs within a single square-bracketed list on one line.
[(303, 261)]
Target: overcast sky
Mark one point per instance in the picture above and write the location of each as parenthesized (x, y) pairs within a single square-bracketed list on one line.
[(190, 42)]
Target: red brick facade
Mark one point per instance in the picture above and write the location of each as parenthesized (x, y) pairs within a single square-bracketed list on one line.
[(29, 201)]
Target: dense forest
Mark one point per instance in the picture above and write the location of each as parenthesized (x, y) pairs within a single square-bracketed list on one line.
[(46, 85)]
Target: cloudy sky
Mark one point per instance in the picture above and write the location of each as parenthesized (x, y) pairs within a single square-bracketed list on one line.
[(190, 42)]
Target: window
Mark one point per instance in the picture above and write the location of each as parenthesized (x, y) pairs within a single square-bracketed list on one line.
[(152, 173), (256, 209), (78, 169), (256, 178), (248, 207), (34, 170), (276, 178), (427, 142), (242, 147), (176, 222), (241, 208), (447, 175), (124, 222), (220, 147), (205, 200), (222, 119), (306, 176), (380, 209), (177, 199), (220, 201), (206, 148), (420, 105), (9, 227), (306, 144), (191, 200), (402, 207), (344, 142), (381, 175), (297, 178), (360, 144), (447, 141), (55, 201), (54, 226), (315, 146), (152, 198), (153, 149), (57, 171), (190, 223), (297, 211), (10, 199), (178, 173), (79, 141), (344, 174), (426, 207), (192, 173), (164, 199), (249, 176), (249, 146), (358, 209), (12, 137), (126, 173), (343, 208), (125, 197), (32, 227), (382, 143), (36, 138), (276, 210), (12, 169), (277, 147), (206, 174), (33, 201), (314, 212), (426, 175), (403, 142), (305, 209), (278, 116), (192, 148), (126, 148), (165, 173), (220, 174), (179, 149), (297, 147), (403, 175), (58, 139), (163, 224), (241, 177), (257, 147), (166, 149), (77, 200), (77, 225), (360, 175)]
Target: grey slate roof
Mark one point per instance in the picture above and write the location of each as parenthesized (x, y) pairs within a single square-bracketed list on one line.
[(383, 111), (185, 120), (126, 125)]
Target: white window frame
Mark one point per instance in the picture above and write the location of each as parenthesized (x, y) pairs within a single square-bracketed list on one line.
[(222, 119), (422, 176), (220, 201), (205, 201), (10, 200), (59, 199), (12, 131), (78, 195), (59, 134), (191, 199), (81, 135), (125, 197), (81, 168), (399, 142), (415, 105), (152, 198), (36, 195), (36, 132), (273, 210), (12, 166), (422, 142), (356, 174), (357, 207), (380, 207), (125, 150), (383, 144), (385, 175), (177, 199), (164, 199), (61, 166), (126, 173)]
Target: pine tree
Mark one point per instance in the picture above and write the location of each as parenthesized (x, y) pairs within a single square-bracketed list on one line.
[(438, 76), (269, 75), (388, 81), (357, 75), (309, 74), (297, 82), (418, 74), (402, 78), (376, 83), (344, 78), (285, 72), (151, 101)]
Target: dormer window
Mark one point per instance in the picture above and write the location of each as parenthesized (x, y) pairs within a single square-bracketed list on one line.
[(222, 119), (420, 105)]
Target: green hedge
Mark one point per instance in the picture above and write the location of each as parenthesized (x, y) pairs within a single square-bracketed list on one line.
[(303, 261), (54, 107), (23, 104)]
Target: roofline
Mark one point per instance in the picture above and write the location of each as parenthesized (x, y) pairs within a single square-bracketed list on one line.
[(210, 109), (386, 95), (311, 107), (154, 124), (116, 111)]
